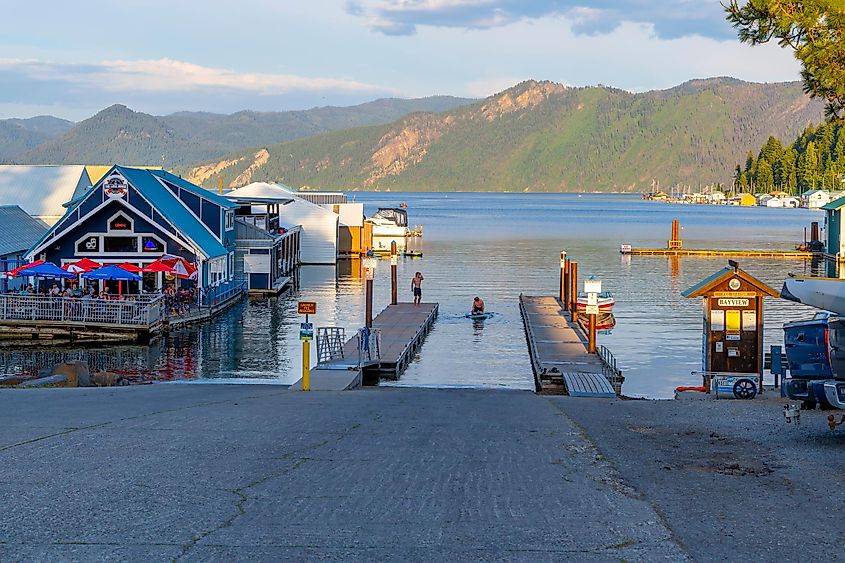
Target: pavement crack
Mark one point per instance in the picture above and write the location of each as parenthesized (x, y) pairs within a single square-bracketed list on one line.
[(615, 478), (68, 431), (242, 491)]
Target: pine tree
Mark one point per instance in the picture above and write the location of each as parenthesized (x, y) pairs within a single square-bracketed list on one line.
[(764, 175)]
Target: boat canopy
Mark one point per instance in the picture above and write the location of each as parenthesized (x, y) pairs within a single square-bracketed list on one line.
[(398, 216)]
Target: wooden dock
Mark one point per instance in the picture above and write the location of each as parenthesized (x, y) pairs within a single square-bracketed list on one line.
[(558, 351), (401, 329), (718, 252)]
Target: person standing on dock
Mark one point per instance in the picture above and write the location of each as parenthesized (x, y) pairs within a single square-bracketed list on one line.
[(416, 287)]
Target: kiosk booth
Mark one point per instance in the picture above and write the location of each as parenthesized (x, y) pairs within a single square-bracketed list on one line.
[(732, 342)]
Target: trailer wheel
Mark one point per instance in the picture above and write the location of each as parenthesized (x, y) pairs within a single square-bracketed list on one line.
[(745, 389)]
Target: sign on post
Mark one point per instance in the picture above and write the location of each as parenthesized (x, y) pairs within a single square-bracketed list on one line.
[(307, 308), (306, 331), (592, 310), (592, 286)]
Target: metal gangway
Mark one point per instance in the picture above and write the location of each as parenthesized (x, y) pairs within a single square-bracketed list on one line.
[(334, 351)]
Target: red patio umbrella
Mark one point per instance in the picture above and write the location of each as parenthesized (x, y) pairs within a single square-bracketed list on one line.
[(130, 268), (16, 272), (87, 265), (158, 266)]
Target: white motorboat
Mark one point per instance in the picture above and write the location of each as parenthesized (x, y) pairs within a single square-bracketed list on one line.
[(827, 294), (389, 225)]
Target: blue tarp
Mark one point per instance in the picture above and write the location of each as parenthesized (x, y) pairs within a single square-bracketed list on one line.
[(115, 273), (47, 270)]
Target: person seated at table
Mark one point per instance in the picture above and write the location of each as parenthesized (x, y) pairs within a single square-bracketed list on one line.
[(54, 291)]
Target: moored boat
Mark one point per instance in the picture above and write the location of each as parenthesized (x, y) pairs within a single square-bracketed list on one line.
[(389, 225), (822, 293), (605, 302)]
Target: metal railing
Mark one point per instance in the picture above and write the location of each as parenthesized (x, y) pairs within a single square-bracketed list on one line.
[(81, 310), (369, 346), (330, 341), (212, 296), (609, 368)]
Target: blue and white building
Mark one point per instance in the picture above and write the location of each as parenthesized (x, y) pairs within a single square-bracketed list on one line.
[(136, 215)]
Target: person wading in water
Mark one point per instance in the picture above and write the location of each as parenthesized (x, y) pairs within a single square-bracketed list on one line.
[(416, 287)]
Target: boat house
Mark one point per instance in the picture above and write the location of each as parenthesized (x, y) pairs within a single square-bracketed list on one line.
[(266, 251), (319, 226), (833, 227), (814, 199), (18, 232), (136, 215)]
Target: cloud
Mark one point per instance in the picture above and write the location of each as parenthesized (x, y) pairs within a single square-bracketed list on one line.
[(669, 18), (168, 75)]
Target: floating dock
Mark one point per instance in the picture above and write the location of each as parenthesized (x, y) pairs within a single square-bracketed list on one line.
[(675, 247), (558, 351), (397, 334), (708, 252)]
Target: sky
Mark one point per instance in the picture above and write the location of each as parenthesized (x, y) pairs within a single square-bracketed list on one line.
[(71, 59)]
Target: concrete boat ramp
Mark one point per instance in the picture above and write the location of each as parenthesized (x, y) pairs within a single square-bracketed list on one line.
[(384, 351), (558, 351)]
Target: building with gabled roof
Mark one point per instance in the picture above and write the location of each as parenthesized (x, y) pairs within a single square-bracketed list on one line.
[(136, 215), (318, 240), (42, 191)]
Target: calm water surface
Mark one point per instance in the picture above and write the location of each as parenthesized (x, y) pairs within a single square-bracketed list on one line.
[(496, 246)]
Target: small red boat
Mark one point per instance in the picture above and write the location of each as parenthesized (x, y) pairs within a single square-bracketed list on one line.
[(605, 302)]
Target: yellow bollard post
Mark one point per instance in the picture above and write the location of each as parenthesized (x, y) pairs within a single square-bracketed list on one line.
[(306, 365), (306, 333)]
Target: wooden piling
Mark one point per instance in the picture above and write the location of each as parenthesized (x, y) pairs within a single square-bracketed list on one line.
[(394, 262), (591, 335), (563, 278), (573, 291), (368, 321)]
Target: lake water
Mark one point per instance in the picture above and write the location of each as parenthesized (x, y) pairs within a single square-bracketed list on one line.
[(496, 246)]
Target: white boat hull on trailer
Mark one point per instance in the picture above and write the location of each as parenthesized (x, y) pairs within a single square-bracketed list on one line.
[(827, 294)]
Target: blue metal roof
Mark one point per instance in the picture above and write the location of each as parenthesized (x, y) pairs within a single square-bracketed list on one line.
[(172, 208), (165, 201), (194, 189), (18, 230)]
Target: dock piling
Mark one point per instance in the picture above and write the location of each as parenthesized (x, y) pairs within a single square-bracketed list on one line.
[(370, 272), (591, 334), (394, 263), (564, 278), (573, 291)]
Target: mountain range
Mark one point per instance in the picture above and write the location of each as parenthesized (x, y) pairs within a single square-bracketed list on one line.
[(119, 134), (540, 136), (535, 136)]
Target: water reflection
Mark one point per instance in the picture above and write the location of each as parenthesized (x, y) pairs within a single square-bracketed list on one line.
[(495, 246)]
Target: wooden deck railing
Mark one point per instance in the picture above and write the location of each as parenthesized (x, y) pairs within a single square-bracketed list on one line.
[(142, 313)]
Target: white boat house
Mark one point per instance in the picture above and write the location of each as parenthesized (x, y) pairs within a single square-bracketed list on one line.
[(319, 226)]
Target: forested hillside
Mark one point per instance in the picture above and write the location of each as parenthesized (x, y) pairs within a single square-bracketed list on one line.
[(540, 136), (119, 134), (19, 135), (816, 159)]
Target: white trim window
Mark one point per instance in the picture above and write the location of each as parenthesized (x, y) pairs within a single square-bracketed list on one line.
[(229, 219)]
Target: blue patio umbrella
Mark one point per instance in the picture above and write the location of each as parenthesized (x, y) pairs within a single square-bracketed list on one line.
[(114, 273), (46, 270)]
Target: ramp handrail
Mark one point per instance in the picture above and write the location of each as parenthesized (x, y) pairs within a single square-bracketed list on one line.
[(369, 345), (609, 368), (330, 341)]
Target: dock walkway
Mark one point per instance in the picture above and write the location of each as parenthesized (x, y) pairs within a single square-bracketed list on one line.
[(402, 328), (558, 350)]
